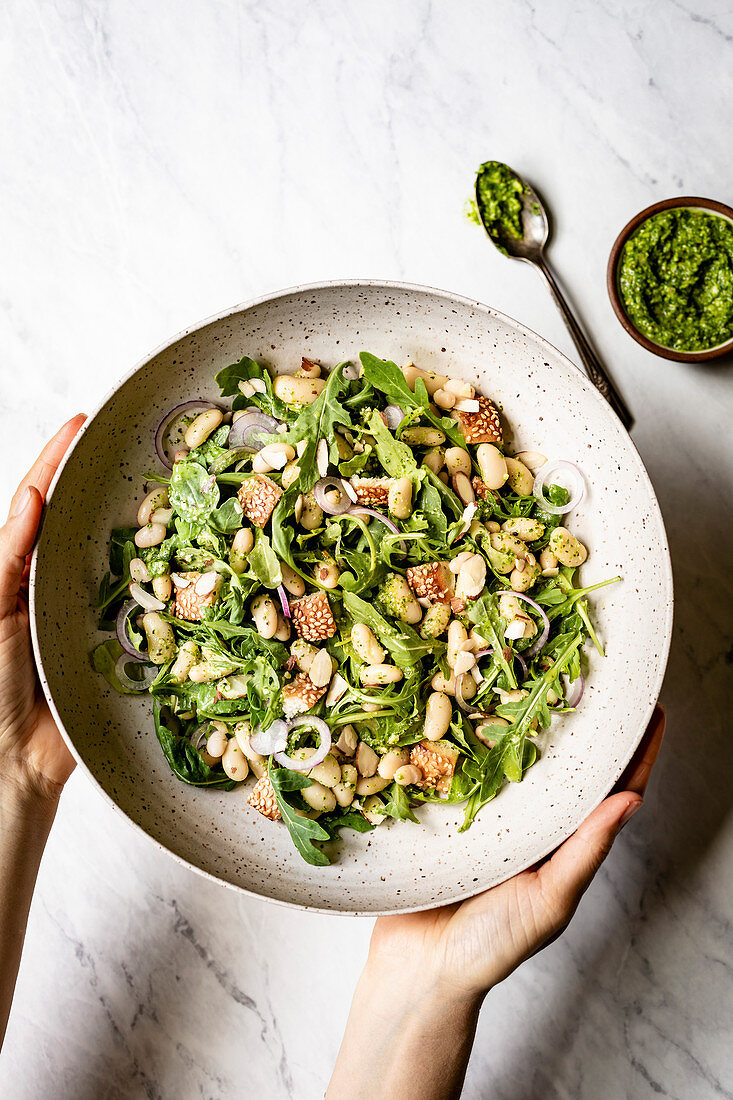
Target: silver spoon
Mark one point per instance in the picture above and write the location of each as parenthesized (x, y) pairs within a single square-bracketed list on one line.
[(530, 247)]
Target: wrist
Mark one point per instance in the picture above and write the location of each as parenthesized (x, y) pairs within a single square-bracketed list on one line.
[(24, 795), (418, 986)]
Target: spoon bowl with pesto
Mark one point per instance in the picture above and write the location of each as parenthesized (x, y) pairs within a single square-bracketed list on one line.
[(517, 222), (670, 279)]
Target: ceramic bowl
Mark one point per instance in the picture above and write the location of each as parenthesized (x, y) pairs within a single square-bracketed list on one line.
[(550, 407), (693, 202)]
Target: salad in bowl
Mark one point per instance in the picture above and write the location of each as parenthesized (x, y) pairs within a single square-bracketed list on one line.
[(343, 592)]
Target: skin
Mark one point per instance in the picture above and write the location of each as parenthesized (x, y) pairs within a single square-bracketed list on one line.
[(414, 1013), (416, 1005)]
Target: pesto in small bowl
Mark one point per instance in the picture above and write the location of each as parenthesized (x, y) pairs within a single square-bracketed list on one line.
[(675, 279)]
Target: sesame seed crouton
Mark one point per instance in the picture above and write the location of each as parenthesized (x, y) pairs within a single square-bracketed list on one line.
[(194, 592), (300, 695), (262, 797), (437, 761), (432, 581), (258, 496), (483, 426), (372, 492), (312, 617)]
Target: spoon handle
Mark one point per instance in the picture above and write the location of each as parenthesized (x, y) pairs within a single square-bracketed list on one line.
[(594, 368)]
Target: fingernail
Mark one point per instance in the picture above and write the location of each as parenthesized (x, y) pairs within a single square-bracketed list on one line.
[(22, 503), (629, 813)]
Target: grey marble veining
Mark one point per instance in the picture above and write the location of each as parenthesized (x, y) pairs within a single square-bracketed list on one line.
[(162, 161)]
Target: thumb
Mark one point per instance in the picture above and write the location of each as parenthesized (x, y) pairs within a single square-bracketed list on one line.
[(16, 543), (565, 878)]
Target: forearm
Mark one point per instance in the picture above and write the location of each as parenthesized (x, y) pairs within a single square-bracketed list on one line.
[(403, 1041), (25, 820)]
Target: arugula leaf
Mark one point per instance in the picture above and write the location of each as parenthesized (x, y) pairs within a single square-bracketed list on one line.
[(103, 659), (387, 377), (345, 819), (405, 644), (227, 518), (228, 381), (264, 562), (303, 830), (398, 804), (184, 760), (484, 614), (355, 465), (396, 458), (193, 491)]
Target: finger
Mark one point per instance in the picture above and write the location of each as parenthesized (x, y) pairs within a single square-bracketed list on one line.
[(16, 543), (43, 469), (636, 776), (564, 879)]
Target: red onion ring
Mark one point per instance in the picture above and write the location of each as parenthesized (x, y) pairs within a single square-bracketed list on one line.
[(358, 510), (393, 416), (576, 494), (166, 421), (150, 672), (145, 599), (273, 739), (328, 484), (247, 430), (577, 692), (523, 663), (321, 752), (200, 736), (538, 643), (121, 631), (284, 600)]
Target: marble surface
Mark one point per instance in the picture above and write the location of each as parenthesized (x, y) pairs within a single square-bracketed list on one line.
[(160, 162)]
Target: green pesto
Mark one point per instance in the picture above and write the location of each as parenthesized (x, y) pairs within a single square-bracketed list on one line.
[(499, 200), (675, 278)]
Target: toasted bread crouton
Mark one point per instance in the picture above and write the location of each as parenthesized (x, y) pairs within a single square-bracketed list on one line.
[(483, 426), (195, 592), (437, 761), (372, 492), (300, 695), (432, 581), (312, 617), (258, 496), (262, 797)]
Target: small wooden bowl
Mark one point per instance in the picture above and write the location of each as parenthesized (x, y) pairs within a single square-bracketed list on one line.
[(694, 202)]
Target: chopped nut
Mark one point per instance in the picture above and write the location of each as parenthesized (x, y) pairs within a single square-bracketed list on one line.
[(481, 489), (437, 762), (312, 617), (373, 492), (190, 603), (262, 797), (258, 496), (301, 695), (432, 581), (483, 426)]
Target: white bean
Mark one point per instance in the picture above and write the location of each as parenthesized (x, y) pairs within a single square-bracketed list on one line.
[(508, 544), (366, 645), (242, 734), (139, 571), (311, 515), (242, 544), (292, 582), (520, 478), (328, 573), (457, 461), (547, 560), (317, 796), (150, 535), (347, 741), (264, 614), (216, 744), (492, 464), (371, 785), (283, 629), (156, 498), (199, 430), (298, 391), (162, 587), (400, 498), (423, 437), (444, 400), (567, 549), (522, 580), (436, 620), (304, 654), (328, 772), (438, 713), (379, 675), (391, 761), (524, 528), (366, 759), (346, 789), (161, 640), (409, 775), (433, 381), (290, 475), (434, 460), (457, 637), (187, 656)]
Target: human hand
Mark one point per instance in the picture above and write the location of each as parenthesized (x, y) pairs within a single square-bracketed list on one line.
[(32, 752), (465, 949)]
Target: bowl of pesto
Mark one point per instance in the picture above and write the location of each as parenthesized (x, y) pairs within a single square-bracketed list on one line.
[(670, 278)]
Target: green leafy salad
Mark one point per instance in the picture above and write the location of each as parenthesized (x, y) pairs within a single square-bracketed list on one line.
[(342, 592)]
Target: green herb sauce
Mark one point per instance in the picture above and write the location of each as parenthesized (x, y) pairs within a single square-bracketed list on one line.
[(675, 278), (499, 199)]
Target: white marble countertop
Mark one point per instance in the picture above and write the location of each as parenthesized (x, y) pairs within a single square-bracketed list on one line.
[(160, 162)]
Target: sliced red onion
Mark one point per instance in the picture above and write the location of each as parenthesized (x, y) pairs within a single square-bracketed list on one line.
[(328, 485), (200, 736), (577, 491), (359, 511), (461, 700), (121, 631), (351, 372), (272, 740), (393, 416), (538, 643), (149, 673), (321, 752), (197, 406), (145, 599), (523, 663), (573, 689), (246, 432), (284, 600)]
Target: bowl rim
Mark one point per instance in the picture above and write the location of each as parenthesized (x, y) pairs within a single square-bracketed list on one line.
[(690, 201), (307, 288)]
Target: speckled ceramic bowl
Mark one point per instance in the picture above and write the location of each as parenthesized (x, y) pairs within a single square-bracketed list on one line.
[(552, 408)]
